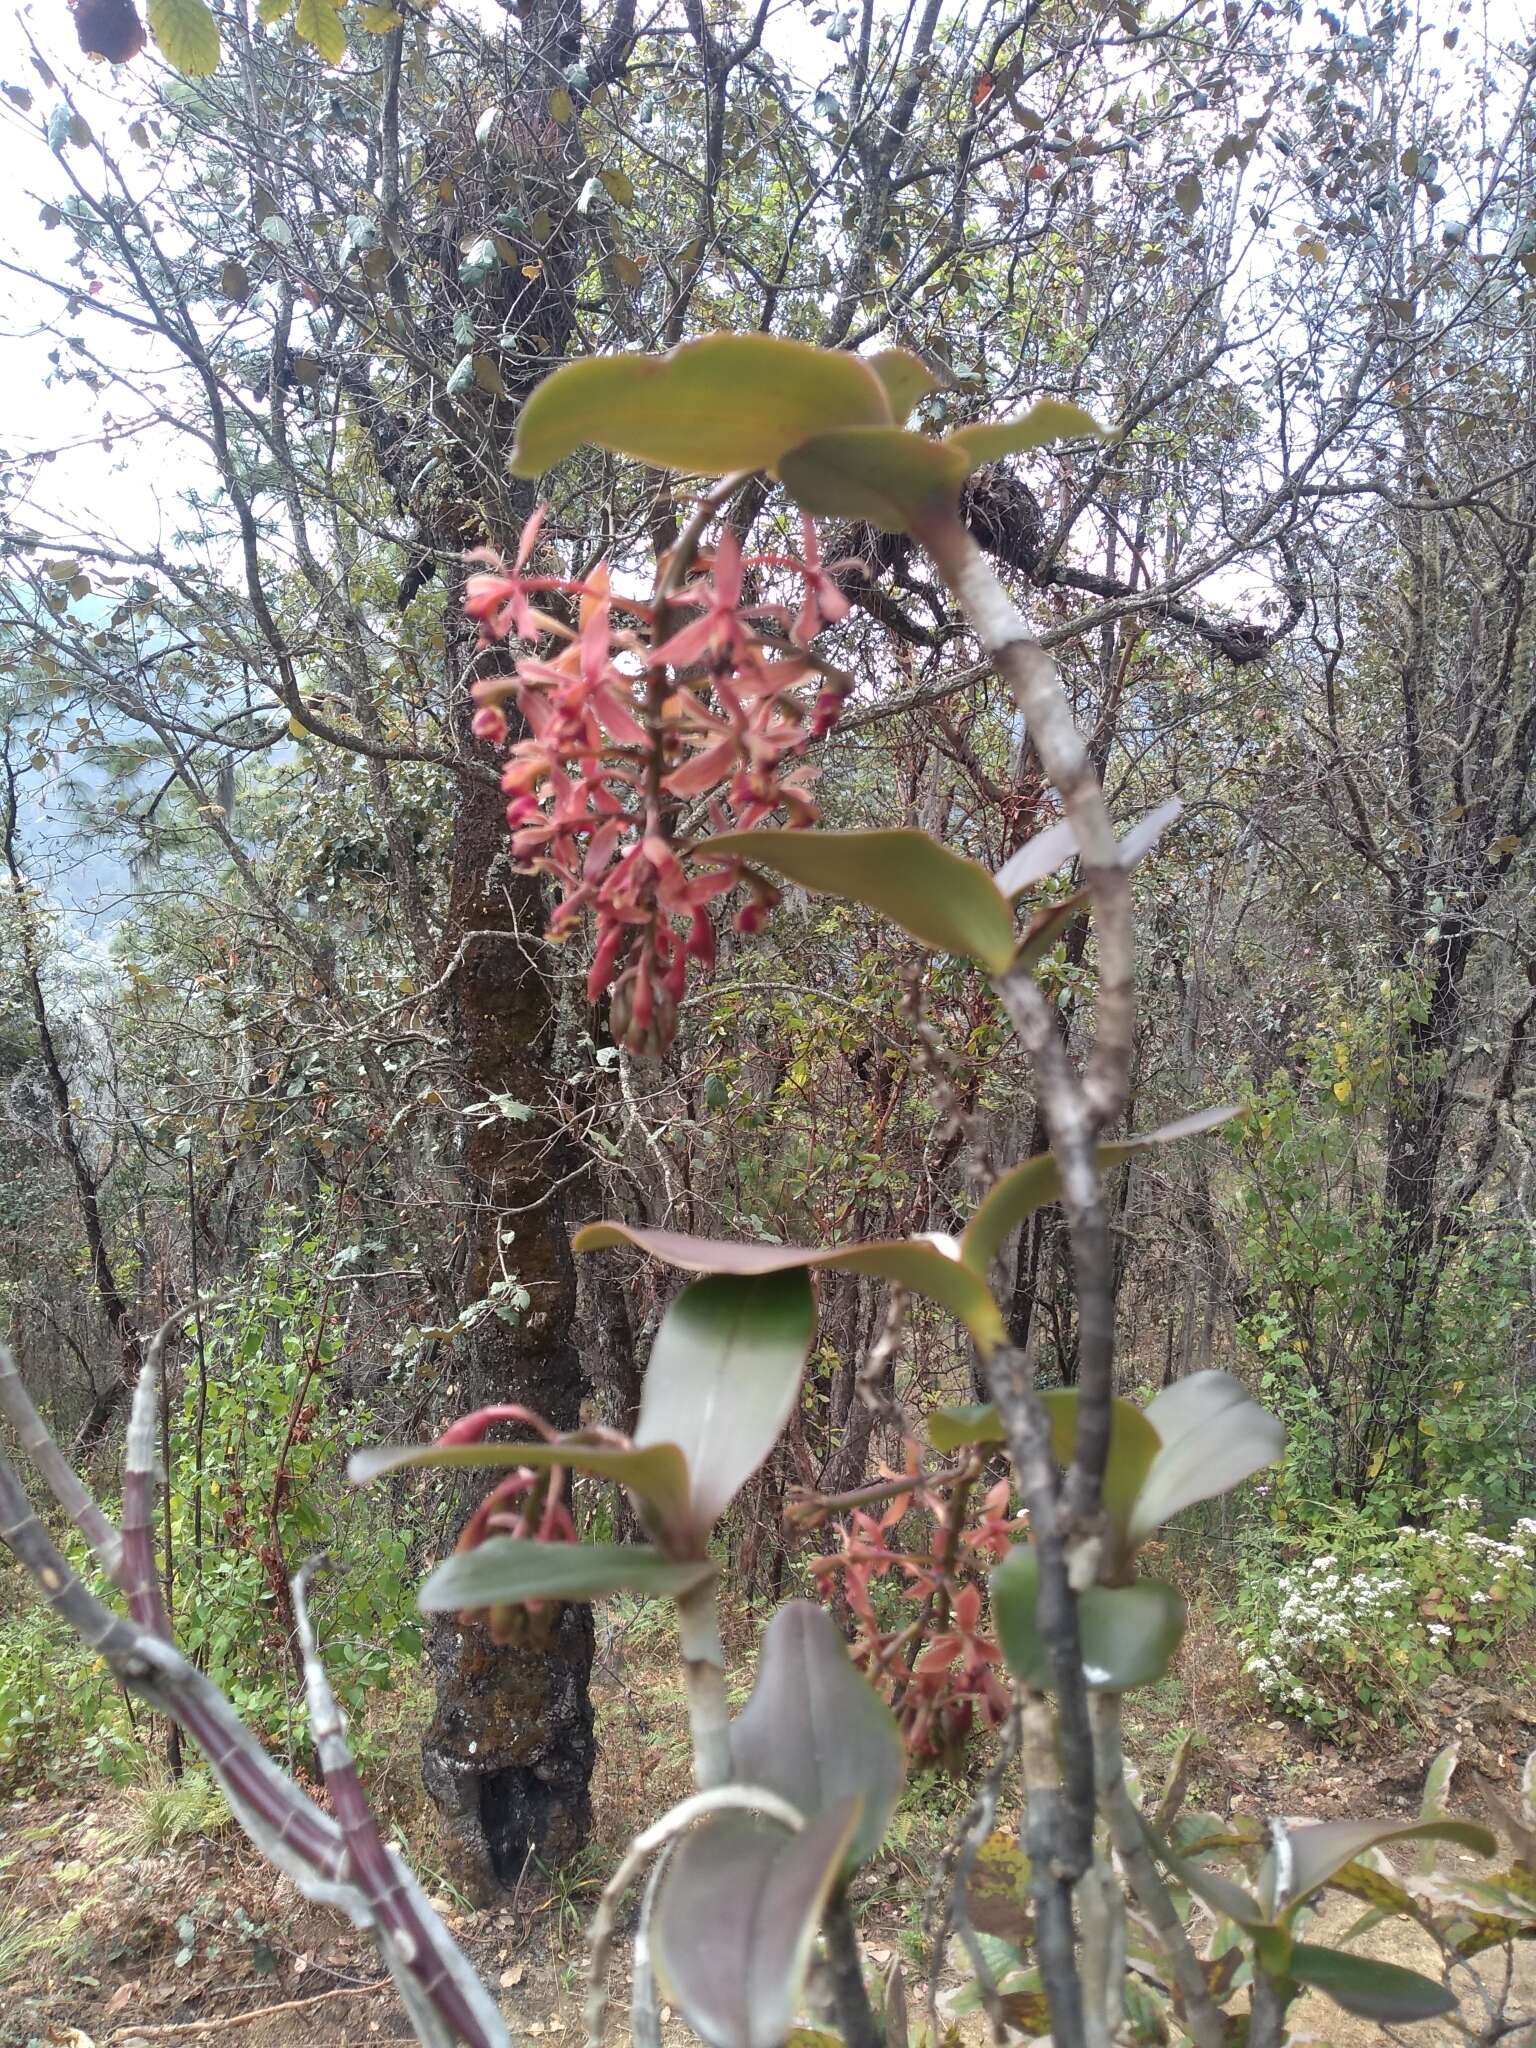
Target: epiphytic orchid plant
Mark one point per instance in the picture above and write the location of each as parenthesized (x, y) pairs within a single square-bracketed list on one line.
[(644, 722)]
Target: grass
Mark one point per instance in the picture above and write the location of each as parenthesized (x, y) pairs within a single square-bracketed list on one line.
[(164, 1811), (26, 1937)]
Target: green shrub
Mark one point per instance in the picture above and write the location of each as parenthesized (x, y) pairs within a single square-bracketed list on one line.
[(59, 1705), (1346, 1637)]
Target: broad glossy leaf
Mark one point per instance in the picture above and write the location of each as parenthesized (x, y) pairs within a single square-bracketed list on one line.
[(507, 1569), (1128, 1633), (723, 1377), (659, 1473), (1214, 1435), (187, 34), (1017, 1195), (736, 1917), (940, 897), (1133, 1442), (726, 402), (886, 475), (923, 1265), (1323, 1848), (1374, 1991), (1048, 419), (817, 1733), (906, 378)]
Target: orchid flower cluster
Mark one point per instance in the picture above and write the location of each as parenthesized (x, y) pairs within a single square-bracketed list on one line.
[(527, 1504), (940, 1667), (636, 712)]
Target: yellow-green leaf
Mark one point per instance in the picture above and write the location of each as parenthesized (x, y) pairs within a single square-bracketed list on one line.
[(727, 402), (378, 21), (883, 474), (618, 187), (273, 10), (187, 34), (319, 24), (1048, 419), (561, 106), (940, 897), (906, 378)]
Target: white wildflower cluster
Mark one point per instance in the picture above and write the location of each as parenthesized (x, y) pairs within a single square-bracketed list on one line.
[(1333, 1638)]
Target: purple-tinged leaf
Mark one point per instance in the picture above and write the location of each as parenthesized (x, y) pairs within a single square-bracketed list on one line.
[(736, 1918), (930, 1266), (816, 1732)]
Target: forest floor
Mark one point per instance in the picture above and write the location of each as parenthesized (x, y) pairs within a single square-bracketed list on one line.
[(110, 1941)]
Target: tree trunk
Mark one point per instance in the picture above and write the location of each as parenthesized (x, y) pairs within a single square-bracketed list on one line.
[(509, 1752)]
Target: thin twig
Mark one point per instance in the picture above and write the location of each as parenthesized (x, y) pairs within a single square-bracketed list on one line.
[(245, 2019)]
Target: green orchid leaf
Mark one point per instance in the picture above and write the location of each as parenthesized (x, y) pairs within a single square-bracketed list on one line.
[(1316, 1852), (923, 1265), (906, 377), (1128, 1633), (1214, 1435), (1048, 420), (817, 1733), (658, 1474), (723, 1378), (1384, 1992), (736, 1919), (505, 1570), (939, 897), (726, 402), (1133, 1442), (886, 475), (1017, 1195)]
